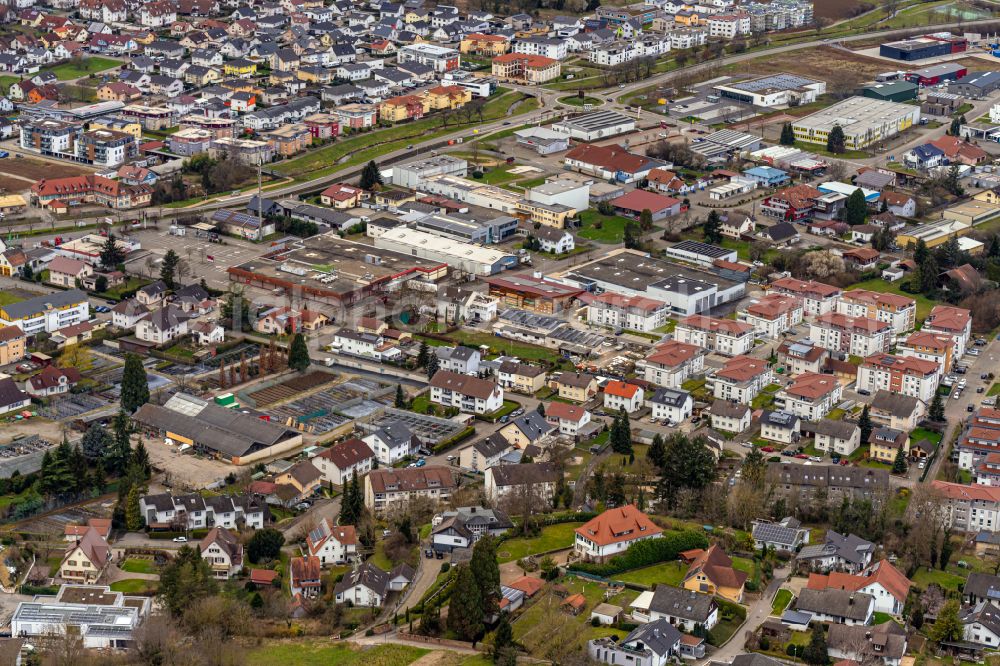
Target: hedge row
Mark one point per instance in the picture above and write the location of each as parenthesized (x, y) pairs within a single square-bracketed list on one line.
[(32, 590), (452, 441), (646, 553), (192, 535)]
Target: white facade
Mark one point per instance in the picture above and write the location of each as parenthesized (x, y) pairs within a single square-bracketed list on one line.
[(912, 379), (722, 336)]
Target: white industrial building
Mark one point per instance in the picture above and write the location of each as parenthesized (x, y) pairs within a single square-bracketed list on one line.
[(865, 122), (596, 125), (773, 90), (412, 174), (558, 192), (542, 140), (467, 257)]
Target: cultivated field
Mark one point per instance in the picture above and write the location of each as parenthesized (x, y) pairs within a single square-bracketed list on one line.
[(839, 68)]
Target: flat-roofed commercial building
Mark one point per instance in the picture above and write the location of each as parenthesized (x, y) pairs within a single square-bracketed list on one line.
[(864, 121), (535, 294), (413, 174), (596, 125), (473, 259), (773, 90)]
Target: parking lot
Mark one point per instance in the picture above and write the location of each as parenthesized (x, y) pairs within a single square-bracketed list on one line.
[(206, 260)]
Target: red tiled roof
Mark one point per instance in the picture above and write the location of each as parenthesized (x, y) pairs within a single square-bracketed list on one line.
[(639, 200), (626, 523)]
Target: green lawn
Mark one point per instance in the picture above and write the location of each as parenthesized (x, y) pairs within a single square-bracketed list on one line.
[(948, 581), (575, 100), (611, 229), (924, 304), (920, 434), (7, 298), (133, 586), (136, 565), (499, 175), (836, 414), (552, 537), (89, 65), (781, 601), (420, 403), (666, 573), (524, 350), (881, 618), (743, 564), (130, 285), (994, 390), (360, 148), (821, 150), (379, 558), (309, 653)]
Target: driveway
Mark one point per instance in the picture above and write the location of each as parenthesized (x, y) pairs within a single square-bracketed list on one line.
[(757, 613)]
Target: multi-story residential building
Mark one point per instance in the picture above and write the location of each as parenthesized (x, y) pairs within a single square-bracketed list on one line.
[(730, 417), (388, 490), (810, 395), (927, 346), (968, 508), (47, 313), (835, 437), (897, 411), (366, 345), (613, 532), (798, 356), (672, 406), (522, 68), (817, 298), (898, 311), (672, 363), (851, 335), (520, 377), (906, 375), (979, 438), (50, 137), (780, 426), (486, 45), (343, 460), (90, 189), (162, 325), (439, 58), (12, 344), (332, 544), (772, 315), (722, 336), (461, 359), (622, 395), (834, 482), (515, 483), (223, 552), (884, 444), (469, 394), (741, 379), (554, 49), (728, 26), (106, 148), (570, 418), (634, 313), (194, 512), (792, 204), (392, 442), (953, 321)]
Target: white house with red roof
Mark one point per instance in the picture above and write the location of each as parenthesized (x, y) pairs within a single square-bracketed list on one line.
[(635, 313), (817, 298), (884, 582), (570, 418), (632, 204), (979, 438), (905, 375), (899, 311), (741, 379), (968, 508), (613, 532), (722, 336), (340, 195), (953, 321), (672, 363), (618, 395), (811, 395), (858, 336), (772, 315), (332, 544)]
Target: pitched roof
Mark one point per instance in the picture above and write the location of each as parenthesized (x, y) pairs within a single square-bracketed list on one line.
[(464, 384), (347, 453), (717, 567), (524, 473), (616, 525), (410, 479), (226, 540), (563, 411)]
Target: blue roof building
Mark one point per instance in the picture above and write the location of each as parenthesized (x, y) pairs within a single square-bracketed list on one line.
[(767, 176)]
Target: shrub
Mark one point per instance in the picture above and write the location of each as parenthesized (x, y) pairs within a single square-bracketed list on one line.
[(646, 553), (595, 622)]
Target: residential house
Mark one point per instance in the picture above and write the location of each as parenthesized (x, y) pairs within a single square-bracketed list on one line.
[(622, 395), (86, 559), (857, 336), (786, 536), (463, 527), (306, 577), (303, 477), (899, 311), (838, 552), (332, 544), (885, 583), (883, 644), (810, 395), (571, 419), (509, 482), (722, 336), (840, 438), (223, 552), (897, 411), (485, 453), (905, 375), (339, 463), (672, 406), (772, 315), (684, 609), (469, 394), (575, 386), (836, 606), (459, 359), (520, 377), (613, 532), (529, 428), (367, 587), (163, 325), (389, 489), (711, 572), (52, 381), (741, 379), (653, 644), (672, 363), (730, 417)]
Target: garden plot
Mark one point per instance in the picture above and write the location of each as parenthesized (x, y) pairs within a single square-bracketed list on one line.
[(429, 429), (70, 406)]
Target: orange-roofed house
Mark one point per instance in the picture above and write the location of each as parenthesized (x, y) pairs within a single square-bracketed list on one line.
[(772, 315), (525, 68), (905, 375), (722, 336), (570, 418), (619, 395), (574, 604), (858, 336), (487, 45), (672, 363), (529, 585), (613, 532), (632, 204), (404, 107), (953, 321), (936, 347), (742, 378), (341, 195), (712, 572), (817, 297), (446, 97), (811, 395), (882, 580), (900, 311)]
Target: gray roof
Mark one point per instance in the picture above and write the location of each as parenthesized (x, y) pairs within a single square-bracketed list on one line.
[(39, 304), (850, 548), (779, 419), (828, 476), (986, 613), (660, 637), (369, 576), (685, 604), (982, 586), (525, 473), (900, 406), (886, 641), (731, 409), (836, 603), (775, 533), (837, 429), (533, 425), (492, 445), (671, 397), (395, 433)]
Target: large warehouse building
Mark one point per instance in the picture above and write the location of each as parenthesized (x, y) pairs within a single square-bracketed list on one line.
[(594, 126), (928, 46), (412, 174), (864, 121), (773, 90), (935, 74), (467, 257)]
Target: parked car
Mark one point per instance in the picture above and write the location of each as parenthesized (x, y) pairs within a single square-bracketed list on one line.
[(970, 408), (180, 539), (767, 449), (801, 456), (815, 459), (428, 553)]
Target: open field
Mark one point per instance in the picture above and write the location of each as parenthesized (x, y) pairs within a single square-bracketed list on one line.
[(552, 537), (316, 653), (665, 573), (38, 169), (842, 70), (611, 229)]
